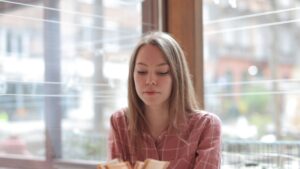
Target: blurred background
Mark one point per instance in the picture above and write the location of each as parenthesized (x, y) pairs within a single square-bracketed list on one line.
[(64, 65)]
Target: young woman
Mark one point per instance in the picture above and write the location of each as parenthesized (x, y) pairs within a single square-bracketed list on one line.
[(162, 120)]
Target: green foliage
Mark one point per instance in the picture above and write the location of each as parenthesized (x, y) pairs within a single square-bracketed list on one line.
[(256, 107), (260, 120), (84, 147), (3, 116), (256, 99)]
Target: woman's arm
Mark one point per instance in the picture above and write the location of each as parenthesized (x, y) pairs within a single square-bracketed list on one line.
[(114, 141), (209, 147)]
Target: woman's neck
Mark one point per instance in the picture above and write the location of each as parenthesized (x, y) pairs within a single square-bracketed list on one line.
[(158, 119)]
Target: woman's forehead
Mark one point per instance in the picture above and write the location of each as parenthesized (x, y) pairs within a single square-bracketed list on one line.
[(150, 55)]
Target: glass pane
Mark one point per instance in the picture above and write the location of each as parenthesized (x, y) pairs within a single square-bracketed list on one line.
[(252, 75), (21, 73), (97, 38), (63, 64)]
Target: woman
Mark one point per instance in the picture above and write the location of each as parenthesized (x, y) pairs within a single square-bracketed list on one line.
[(162, 120)]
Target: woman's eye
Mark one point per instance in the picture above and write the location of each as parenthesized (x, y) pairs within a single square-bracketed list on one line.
[(141, 72), (163, 73)]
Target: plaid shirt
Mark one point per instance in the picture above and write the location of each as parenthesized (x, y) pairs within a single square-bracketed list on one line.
[(198, 147)]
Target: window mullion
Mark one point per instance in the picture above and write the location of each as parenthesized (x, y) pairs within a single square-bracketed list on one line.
[(52, 80)]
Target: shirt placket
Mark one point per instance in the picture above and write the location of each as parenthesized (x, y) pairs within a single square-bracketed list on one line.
[(155, 147)]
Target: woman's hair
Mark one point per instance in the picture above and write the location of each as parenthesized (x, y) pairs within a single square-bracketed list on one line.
[(182, 99)]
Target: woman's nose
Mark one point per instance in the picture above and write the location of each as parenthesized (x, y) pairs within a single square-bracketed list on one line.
[(151, 79)]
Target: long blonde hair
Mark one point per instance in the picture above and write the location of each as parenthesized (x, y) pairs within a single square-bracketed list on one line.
[(182, 99)]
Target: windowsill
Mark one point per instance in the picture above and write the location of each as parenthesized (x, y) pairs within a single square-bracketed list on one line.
[(25, 162)]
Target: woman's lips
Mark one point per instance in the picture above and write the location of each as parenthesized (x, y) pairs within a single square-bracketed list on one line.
[(150, 92)]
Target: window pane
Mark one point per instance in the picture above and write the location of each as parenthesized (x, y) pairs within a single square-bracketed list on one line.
[(95, 52), (21, 75), (64, 66), (252, 76)]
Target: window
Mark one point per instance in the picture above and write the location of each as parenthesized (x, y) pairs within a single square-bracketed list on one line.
[(260, 109), (63, 73)]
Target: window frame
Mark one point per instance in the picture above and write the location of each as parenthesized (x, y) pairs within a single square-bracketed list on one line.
[(189, 33)]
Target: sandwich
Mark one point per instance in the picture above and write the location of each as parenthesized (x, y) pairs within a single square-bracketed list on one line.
[(155, 164), (147, 164)]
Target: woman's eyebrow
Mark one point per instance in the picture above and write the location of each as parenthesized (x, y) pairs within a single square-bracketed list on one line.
[(142, 64), (161, 64)]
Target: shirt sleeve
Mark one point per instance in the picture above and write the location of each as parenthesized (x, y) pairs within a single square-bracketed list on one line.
[(209, 147), (114, 141)]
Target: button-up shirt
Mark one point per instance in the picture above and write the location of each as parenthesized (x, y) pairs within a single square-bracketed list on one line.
[(197, 147)]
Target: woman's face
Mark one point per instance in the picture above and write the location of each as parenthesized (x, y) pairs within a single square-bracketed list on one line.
[(152, 76)]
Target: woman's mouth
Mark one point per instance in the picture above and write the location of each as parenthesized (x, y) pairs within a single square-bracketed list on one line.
[(150, 92)]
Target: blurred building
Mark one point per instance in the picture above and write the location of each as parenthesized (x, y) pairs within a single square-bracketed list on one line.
[(252, 59)]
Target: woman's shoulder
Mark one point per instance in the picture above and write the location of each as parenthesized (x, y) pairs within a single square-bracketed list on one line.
[(119, 113), (202, 115), (119, 116)]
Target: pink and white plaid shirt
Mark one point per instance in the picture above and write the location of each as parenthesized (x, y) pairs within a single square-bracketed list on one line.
[(199, 147)]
